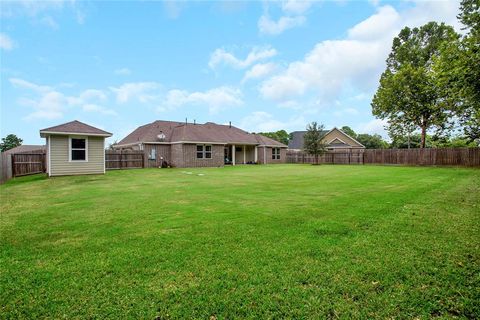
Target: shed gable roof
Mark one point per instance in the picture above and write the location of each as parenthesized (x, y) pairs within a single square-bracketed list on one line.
[(75, 127)]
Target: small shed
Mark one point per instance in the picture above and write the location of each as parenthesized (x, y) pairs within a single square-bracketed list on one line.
[(75, 148)]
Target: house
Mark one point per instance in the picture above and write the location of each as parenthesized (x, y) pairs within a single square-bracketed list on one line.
[(183, 144), (336, 140), (27, 148), (75, 148)]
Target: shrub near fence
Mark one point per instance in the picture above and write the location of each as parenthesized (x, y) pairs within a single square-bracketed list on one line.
[(124, 159)]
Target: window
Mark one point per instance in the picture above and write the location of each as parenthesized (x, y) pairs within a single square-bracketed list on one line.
[(238, 149), (276, 153), (204, 151), (78, 149), (153, 154)]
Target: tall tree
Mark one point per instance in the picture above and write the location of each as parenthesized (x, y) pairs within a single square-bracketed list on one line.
[(9, 142), (407, 95), (280, 136), (349, 131), (313, 140), (372, 141), (457, 71)]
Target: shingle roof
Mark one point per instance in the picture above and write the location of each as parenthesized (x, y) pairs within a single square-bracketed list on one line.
[(189, 132), (27, 148), (263, 140), (296, 139), (75, 127)]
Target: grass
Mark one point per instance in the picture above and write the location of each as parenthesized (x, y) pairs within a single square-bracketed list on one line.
[(280, 241)]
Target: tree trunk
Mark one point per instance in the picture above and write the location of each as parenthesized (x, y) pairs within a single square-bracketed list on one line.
[(424, 133)]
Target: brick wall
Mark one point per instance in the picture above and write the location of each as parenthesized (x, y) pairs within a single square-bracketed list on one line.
[(162, 150), (268, 155)]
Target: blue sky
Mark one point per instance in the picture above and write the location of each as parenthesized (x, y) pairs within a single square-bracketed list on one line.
[(262, 65)]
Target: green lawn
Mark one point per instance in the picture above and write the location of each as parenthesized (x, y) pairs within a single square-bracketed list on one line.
[(280, 241)]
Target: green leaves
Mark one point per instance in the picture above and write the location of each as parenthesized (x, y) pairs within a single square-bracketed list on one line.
[(9, 142), (408, 95), (313, 140)]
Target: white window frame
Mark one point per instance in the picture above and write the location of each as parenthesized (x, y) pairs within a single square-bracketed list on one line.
[(70, 149), (153, 154), (204, 151), (275, 153)]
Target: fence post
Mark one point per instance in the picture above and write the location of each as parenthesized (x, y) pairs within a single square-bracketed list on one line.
[(121, 160), (143, 159), (13, 165)]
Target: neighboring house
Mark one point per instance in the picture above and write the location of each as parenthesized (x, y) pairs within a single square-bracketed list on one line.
[(27, 148), (75, 148), (183, 144), (336, 140)]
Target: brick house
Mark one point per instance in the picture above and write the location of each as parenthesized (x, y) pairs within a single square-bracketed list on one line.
[(183, 144)]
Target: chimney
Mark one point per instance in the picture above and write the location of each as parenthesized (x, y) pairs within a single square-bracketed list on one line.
[(230, 124)]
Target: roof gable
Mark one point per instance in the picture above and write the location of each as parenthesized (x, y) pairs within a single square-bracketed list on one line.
[(296, 141), (76, 127)]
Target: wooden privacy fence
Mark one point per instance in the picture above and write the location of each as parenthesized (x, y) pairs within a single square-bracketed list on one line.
[(5, 167), (28, 163), (124, 159), (328, 158), (468, 157)]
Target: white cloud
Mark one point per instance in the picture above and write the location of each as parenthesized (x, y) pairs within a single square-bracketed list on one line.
[(221, 56), (216, 99), (123, 71), (373, 126), (259, 70), (261, 121), (357, 61), (98, 109), (20, 83), (49, 22), (296, 6), (268, 26), (293, 16), (6, 43), (140, 91), (49, 103)]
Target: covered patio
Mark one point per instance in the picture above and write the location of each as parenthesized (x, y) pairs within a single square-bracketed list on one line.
[(240, 154)]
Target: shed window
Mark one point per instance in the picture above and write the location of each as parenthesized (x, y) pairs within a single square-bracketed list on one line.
[(204, 151), (153, 154), (78, 149), (276, 153)]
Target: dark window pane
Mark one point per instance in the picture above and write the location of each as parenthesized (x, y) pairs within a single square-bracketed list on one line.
[(78, 154), (78, 143), (238, 149), (208, 155), (199, 148), (199, 155), (208, 148)]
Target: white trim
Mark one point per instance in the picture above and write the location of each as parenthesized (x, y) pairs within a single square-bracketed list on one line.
[(244, 154), (256, 154), (198, 142), (77, 133), (86, 148), (335, 128), (49, 142), (264, 155), (272, 146), (104, 170), (204, 151), (338, 140), (234, 149)]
